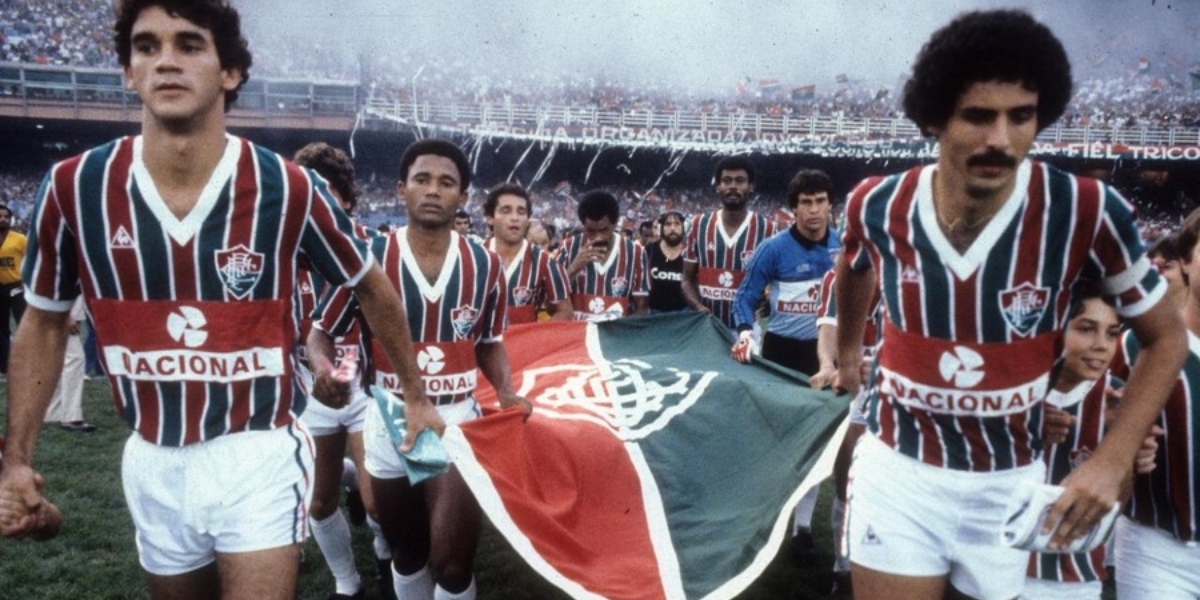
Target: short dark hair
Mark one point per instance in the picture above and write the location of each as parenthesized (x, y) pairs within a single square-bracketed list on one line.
[(1084, 291), (598, 204), (5, 208), (217, 16), (1166, 247), (662, 219), (332, 164), (645, 225), (460, 213), (1189, 232), (993, 45), (503, 189), (733, 163), (807, 181), (436, 147)]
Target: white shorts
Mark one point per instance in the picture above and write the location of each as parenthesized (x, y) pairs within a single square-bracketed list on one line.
[(912, 519), (1041, 589), (383, 460), (1151, 564), (240, 492), (323, 420)]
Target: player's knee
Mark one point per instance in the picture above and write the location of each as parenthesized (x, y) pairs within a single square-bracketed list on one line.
[(321, 508), (453, 576)]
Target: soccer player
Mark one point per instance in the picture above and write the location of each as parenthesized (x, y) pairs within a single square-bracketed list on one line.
[(791, 265), (12, 297), (606, 271), (462, 222), (1165, 257), (532, 275), (433, 527), (1158, 538), (665, 261), (185, 243), (336, 429), (720, 244), (977, 256)]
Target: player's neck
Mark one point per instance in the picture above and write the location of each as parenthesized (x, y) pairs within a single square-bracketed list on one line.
[(181, 162), (507, 252), (1191, 314), (732, 218), (669, 251), (960, 216)]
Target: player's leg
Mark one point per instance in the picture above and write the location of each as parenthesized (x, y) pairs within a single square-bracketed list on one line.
[(201, 584), (329, 525), (259, 575), (456, 519), (383, 551), (404, 520)]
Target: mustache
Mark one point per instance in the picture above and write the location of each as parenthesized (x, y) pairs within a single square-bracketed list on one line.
[(992, 158)]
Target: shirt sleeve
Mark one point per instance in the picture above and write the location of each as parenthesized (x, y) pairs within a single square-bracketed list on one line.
[(330, 241), (641, 279), (827, 302), (691, 249), (1120, 257), (758, 275), (854, 239), (553, 277), (51, 270), (495, 308)]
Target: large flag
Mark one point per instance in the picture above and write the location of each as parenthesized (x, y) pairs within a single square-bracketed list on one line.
[(654, 466)]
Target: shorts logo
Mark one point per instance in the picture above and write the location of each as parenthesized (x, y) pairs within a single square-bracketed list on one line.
[(870, 539), (431, 360), (620, 286), (121, 239), (187, 326), (463, 318), (725, 279), (522, 296), (1023, 307), (961, 367), (239, 269)]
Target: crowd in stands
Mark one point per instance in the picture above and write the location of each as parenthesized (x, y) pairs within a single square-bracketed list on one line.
[(75, 33)]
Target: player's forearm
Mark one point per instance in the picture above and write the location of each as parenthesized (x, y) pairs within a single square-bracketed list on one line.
[(641, 305), (827, 346), (691, 294), (320, 351), (854, 292), (493, 363), (35, 365), (382, 308)]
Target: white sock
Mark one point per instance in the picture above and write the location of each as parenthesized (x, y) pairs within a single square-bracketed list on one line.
[(349, 474), (382, 550), (804, 511), (418, 586), (467, 594), (837, 521), (333, 536)]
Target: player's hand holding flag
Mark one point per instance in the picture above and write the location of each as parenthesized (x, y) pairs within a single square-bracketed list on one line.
[(743, 348)]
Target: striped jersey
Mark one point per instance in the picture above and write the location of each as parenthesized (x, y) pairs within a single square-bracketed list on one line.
[(194, 316), (533, 278), (721, 259), (604, 291), (970, 338), (1086, 403), (790, 267), (1167, 497), (448, 317), (827, 312)]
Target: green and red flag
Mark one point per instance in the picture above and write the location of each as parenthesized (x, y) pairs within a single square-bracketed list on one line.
[(654, 466)]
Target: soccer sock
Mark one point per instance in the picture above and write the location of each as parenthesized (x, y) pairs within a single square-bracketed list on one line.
[(804, 511), (333, 536), (349, 474), (467, 594), (382, 550), (837, 522), (418, 586)]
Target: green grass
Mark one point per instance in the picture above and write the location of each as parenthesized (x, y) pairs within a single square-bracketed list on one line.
[(94, 555)]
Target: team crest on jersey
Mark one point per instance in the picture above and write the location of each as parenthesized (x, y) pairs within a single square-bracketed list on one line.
[(620, 286), (240, 269), (909, 275), (463, 318), (121, 239), (1023, 306), (522, 296)]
